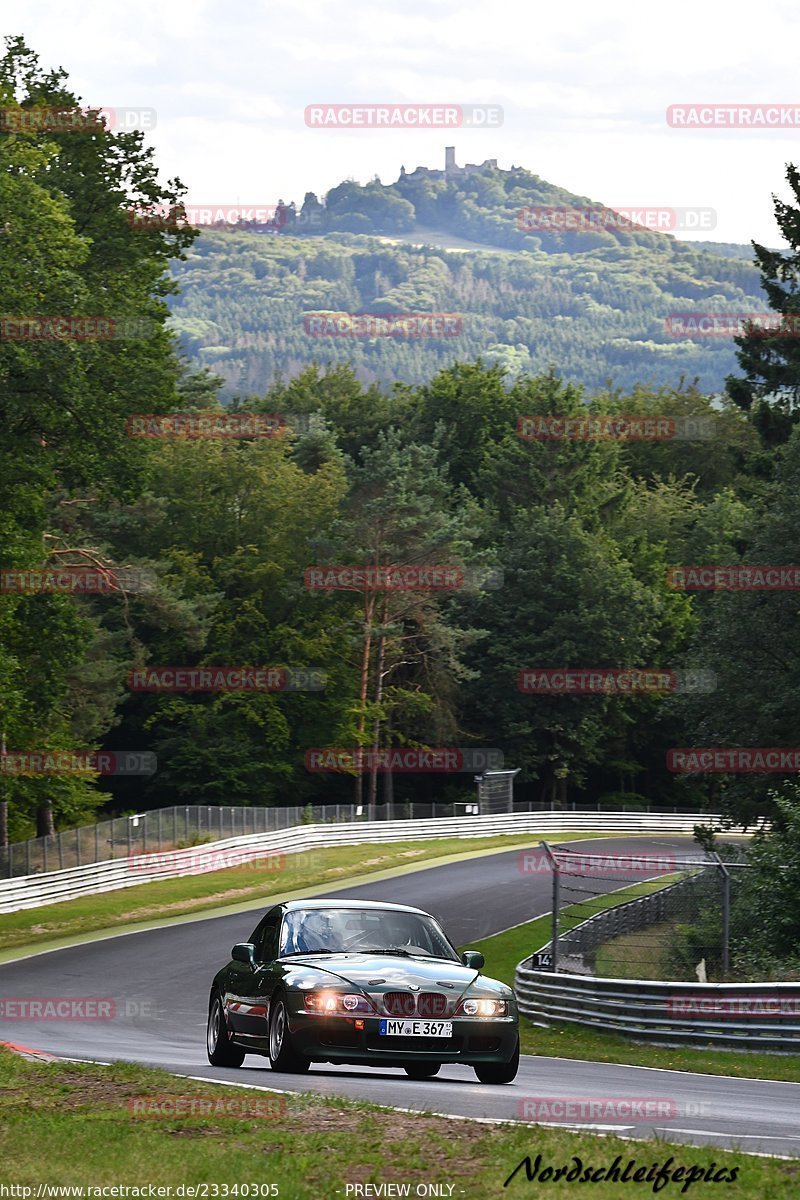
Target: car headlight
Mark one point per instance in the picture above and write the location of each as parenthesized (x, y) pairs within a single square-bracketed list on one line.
[(336, 1003), (483, 1007)]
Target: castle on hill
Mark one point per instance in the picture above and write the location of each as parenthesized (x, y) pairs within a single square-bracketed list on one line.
[(451, 169)]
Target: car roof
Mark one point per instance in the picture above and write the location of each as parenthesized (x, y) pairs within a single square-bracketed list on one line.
[(291, 905)]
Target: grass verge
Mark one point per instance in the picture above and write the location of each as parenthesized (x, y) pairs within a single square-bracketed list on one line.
[(242, 886), (70, 1124)]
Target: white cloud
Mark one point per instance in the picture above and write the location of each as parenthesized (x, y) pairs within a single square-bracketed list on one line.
[(584, 87)]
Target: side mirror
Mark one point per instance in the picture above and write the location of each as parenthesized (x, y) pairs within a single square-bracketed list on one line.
[(473, 958), (244, 952)]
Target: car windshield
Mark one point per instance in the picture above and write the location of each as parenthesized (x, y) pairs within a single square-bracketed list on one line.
[(356, 930)]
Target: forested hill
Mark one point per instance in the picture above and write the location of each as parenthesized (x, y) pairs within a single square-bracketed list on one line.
[(592, 303)]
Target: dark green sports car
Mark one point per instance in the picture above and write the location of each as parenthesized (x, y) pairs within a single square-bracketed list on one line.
[(351, 981)]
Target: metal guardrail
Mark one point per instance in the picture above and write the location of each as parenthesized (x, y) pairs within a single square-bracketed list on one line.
[(750, 1016), (184, 824), (32, 891)]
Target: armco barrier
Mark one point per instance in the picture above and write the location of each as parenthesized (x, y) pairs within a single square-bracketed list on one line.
[(751, 1016), (32, 891)]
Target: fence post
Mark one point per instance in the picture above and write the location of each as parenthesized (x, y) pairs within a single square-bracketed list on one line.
[(158, 830), (556, 904), (726, 914)]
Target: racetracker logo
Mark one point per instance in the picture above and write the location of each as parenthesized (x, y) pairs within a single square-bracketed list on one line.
[(57, 1008), (240, 1108), (734, 579), (98, 581), (600, 428), (537, 863), (372, 325), (734, 116), (568, 1109), (77, 762), (753, 1004), (729, 325), (63, 327), (612, 681), (402, 759), (205, 425), (226, 679), (75, 120), (403, 116), (258, 217), (200, 862), (549, 219), (739, 760)]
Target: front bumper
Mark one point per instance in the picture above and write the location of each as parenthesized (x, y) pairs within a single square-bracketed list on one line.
[(336, 1039)]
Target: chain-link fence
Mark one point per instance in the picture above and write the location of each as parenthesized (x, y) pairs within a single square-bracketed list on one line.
[(623, 916), (182, 825)]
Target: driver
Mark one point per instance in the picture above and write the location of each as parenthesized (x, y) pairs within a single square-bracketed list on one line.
[(401, 931), (315, 932)]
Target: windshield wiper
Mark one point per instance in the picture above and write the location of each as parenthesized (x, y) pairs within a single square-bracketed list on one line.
[(305, 953)]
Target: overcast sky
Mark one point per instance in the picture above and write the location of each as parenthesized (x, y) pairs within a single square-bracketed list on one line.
[(584, 88)]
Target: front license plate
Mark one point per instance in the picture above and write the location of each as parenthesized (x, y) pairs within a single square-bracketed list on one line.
[(437, 1029)]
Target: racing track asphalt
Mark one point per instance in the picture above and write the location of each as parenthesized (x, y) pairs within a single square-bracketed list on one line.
[(160, 979)]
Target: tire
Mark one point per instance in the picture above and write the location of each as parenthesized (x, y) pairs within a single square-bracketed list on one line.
[(282, 1054), (422, 1070), (222, 1052), (499, 1072)]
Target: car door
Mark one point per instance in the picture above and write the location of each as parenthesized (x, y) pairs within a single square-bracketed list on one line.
[(250, 987)]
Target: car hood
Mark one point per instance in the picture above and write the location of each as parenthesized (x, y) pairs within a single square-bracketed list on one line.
[(376, 973)]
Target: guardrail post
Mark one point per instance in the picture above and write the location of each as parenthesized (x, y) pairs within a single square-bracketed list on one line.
[(556, 903)]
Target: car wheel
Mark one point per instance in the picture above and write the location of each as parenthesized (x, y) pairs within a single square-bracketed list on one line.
[(282, 1054), (499, 1072), (422, 1070), (222, 1052)]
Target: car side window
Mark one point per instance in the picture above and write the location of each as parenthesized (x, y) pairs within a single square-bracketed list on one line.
[(267, 944)]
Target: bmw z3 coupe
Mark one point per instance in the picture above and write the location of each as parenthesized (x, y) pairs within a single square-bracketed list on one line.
[(358, 982)]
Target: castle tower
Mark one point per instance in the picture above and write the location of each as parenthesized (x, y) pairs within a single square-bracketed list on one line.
[(449, 159)]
